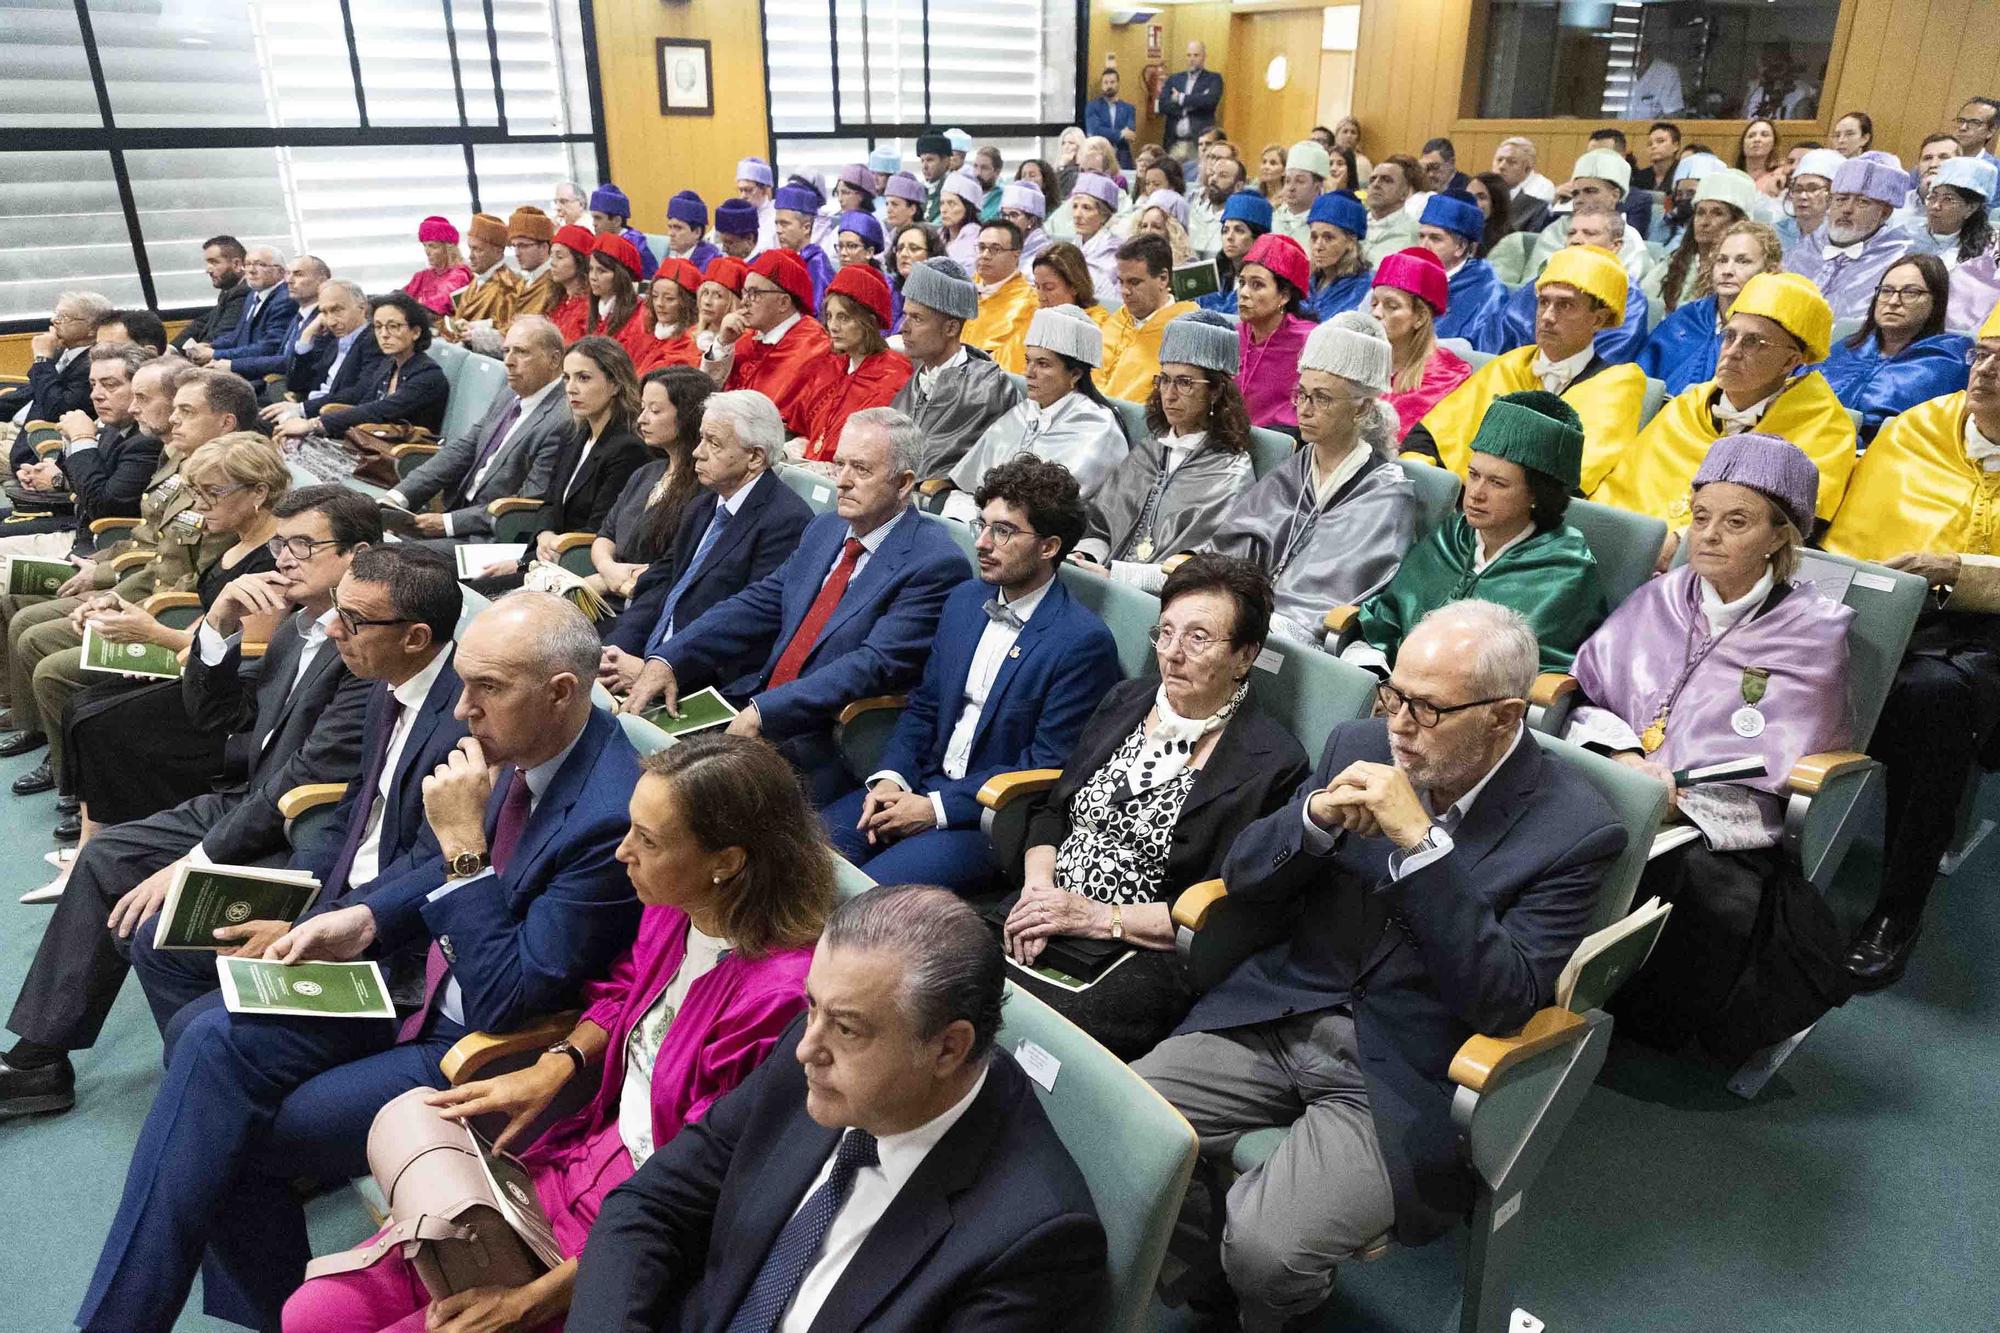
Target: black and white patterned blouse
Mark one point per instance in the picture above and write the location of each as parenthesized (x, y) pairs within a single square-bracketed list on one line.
[(1116, 851)]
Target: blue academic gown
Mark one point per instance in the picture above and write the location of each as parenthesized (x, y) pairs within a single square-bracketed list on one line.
[(1477, 309), (1328, 299), (1615, 346), (1222, 302), (1062, 664), (1879, 387), (1683, 348)]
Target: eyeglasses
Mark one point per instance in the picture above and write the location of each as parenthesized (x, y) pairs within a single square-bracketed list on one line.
[(751, 293), (1319, 399), (1800, 187), (354, 624), (1976, 357), (60, 318), (1425, 713), (398, 327), (1972, 123), (1904, 295), (1193, 642), (1002, 533), (203, 496), (301, 548), (1179, 384), (1749, 342), (986, 248)]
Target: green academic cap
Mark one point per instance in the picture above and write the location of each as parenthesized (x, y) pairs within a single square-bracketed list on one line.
[(1536, 429)]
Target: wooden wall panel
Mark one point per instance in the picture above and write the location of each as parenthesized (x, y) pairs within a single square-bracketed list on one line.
[(1253, 114)]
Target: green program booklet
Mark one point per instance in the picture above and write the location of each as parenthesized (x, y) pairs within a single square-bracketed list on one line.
[(311, 990), (203, 898), (33, 576), (699, 711), (1191, 282), (129, 659)]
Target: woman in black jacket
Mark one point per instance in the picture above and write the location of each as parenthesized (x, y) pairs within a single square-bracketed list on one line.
[(407, 388), (1164, 777)]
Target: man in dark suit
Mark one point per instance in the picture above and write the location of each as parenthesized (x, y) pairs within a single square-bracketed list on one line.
[(1017, 668), (106, 459), (1436, 873), (222, 257), (1188, 101), (511, 451), (296, 721), (851, 614), (259, 330), (525, 902), (886, 1167), (303, 280), (334, 357), (743, 525), (1104, 116), (59, 374), (395, 613)]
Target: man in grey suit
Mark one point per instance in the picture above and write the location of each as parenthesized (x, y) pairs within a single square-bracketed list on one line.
[(511, 451)]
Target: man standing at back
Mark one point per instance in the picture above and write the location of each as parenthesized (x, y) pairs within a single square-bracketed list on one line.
[(1188, 101), (1105, 117)]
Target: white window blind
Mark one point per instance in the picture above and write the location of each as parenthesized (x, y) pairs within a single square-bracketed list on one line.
[(48, 76), (175, 64)]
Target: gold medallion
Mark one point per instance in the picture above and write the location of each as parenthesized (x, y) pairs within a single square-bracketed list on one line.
[(1654, 736)]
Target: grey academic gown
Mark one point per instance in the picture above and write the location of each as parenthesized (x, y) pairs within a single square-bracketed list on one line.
[(1084, 436), (1331, 555), (1189, 506), (950, 419)]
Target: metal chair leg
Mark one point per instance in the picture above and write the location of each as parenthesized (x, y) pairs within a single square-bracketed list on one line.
[(1749, 1080)]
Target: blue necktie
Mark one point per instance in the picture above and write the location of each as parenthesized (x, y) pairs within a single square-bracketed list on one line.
[(798, 1245), (663, 629)]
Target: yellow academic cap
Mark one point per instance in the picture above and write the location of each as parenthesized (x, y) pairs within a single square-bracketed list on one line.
[(1991, 328), (1792, 302), (1591, 271)]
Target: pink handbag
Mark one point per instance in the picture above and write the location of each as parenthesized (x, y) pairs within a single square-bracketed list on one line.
[(462, 1215)]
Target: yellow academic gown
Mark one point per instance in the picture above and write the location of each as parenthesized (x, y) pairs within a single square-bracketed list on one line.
[(1132, 351), (1001, 328), (1915, 490), (1608, 404), (1658, 470)]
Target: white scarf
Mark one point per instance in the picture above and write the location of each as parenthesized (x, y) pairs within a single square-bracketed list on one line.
[(1166, 752)]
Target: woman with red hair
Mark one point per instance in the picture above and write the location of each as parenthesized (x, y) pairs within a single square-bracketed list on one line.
[(860, 370)]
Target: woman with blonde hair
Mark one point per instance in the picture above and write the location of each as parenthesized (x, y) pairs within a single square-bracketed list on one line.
[(445, 271), (1409, 293), (1683, 348)]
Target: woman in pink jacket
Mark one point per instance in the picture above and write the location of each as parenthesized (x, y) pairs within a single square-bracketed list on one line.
[(445, 271), (736, 876)]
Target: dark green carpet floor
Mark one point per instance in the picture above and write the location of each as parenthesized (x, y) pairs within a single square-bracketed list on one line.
[(1850, 1196)]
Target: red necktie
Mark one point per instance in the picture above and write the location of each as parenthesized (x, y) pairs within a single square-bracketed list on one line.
[(800, 648), (507, 829)]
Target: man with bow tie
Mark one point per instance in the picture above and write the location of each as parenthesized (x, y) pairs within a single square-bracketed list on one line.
[(1017, 669)]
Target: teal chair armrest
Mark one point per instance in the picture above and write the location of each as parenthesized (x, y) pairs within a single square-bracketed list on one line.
[(1823, 793), (1550, 702), (863, 729)]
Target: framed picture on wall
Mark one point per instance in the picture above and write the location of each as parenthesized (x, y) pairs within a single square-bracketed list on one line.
[(684, 83)]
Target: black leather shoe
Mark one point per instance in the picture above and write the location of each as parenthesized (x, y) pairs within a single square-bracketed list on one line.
[(39, 779), (69, 828), (1882, 950), (37, 1091), (68, 805), (22, 742)]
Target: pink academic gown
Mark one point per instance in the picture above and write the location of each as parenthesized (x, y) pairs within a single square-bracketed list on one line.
[(1445, 371), (433, 289), (1271, 371)]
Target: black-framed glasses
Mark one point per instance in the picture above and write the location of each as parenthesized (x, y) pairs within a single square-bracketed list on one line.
[(354, 624), (1426, 713), (1903, 295), (301, 548), (1002, 533)]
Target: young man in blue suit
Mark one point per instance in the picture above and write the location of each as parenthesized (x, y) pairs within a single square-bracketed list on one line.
[(525, 902), (887, 1167), (1018, 667), (395, 613), (1438, 868), (851, 614)]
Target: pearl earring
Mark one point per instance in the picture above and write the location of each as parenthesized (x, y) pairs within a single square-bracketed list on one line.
[(718, 881)]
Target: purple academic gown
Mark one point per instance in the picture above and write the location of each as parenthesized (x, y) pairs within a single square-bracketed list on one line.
[(1848, 284), (649, 263), (1879, 387), (1616, 346), (1975, 290), (1630, 666), (1684, 346)]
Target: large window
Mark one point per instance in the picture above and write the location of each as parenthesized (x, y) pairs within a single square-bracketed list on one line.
[(132, 130), (1644, 59), (847, 76)]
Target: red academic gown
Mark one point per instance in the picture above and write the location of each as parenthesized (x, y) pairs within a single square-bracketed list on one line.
[(635, 335), (678, 350), (569, 317), (783, 371), (836, 394)]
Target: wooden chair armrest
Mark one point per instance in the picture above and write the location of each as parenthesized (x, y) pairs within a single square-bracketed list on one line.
[(1190, 910), (874, 703), (274, 378), (570, 541), (933, 486), (1816, 770), (1550, 686), (127, 561), (100, 526), (38, 424), (1003, 789), (168, 601), (477, 1050), (11, 380), (1482, 1061), (512, 504), (1338, 619), (252, 651), (1173, 562), (412, 450), (310, 797)]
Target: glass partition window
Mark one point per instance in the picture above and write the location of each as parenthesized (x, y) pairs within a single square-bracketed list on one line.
[(1646, 59)]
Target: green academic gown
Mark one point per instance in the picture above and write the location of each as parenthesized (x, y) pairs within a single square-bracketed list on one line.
[(1551, 578)]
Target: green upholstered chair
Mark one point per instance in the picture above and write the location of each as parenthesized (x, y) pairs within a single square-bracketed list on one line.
[(1268, 450), (476, 381), (1132, 416), (1437, 491), (1627, 545), (1652, 400), (809, 486), (1509, 257)]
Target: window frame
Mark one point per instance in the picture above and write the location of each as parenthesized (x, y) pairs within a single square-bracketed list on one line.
[(109, 139)]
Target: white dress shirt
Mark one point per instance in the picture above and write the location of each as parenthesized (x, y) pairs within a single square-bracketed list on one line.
[(1557, 376), (718, 355), (529, 406), (869, 545), (212, 646), (1984, 453), (642, 1047), (409, 697), (1319, 842), (875, 1187)]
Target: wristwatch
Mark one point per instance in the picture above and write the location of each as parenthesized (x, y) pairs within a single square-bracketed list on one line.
[(567, 1047), (465, 865), (1117, 921)]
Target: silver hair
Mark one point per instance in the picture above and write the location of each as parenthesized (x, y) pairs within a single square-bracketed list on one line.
[(129, 355), (565, 640), (1617, 223), (277, 255), (573, 188), (348, 285), (1518, 141), (949, 967), (545, 338), (906, 446), (92, 307), (1378, 428), (1507, 657), (753, 417)]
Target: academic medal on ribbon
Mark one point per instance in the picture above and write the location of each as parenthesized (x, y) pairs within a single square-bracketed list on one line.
[(1747, 721)]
